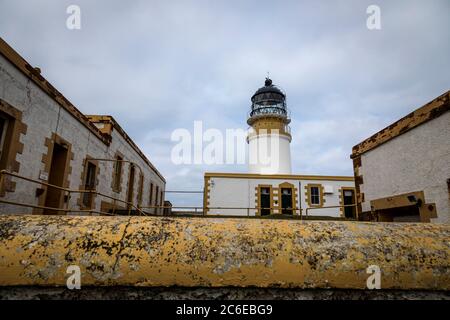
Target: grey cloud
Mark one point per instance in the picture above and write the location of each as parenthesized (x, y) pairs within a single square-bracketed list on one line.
[(159, 65)]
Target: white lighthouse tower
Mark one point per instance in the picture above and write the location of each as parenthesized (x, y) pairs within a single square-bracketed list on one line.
[(269, 138), (270, 188)]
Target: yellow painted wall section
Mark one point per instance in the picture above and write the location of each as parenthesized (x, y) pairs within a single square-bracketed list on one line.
[(213, 252)]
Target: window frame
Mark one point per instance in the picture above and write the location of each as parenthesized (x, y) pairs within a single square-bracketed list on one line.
[(116, 183), (309, 194), (85, 175), (150, 196), (315, 195), (140, 189)]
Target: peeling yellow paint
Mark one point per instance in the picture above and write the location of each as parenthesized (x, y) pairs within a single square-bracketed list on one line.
[(159, 251)]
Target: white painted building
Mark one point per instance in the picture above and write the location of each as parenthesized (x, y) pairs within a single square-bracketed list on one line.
[(270, 187), (255, 194), (44, 137), (403, 171)]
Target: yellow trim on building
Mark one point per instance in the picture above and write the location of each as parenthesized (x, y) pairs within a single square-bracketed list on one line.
[(206, 195)]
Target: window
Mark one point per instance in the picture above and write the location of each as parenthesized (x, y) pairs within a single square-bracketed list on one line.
[(150, 197), (265, 199), (348, 198), (162, 198), (141, 187), (156, 195), (11, 129), (130, 191), (286, 201), (315, 195), (117, 173), (6, 128), (448, 187), (3, 130), (89, 183)]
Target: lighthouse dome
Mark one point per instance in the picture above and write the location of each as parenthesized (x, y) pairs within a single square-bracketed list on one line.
[(268, 100)]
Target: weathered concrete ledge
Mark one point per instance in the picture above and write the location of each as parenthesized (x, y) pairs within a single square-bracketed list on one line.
[(192, 252)]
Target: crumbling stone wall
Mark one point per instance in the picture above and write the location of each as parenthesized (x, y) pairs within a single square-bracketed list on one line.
[(220, 255)]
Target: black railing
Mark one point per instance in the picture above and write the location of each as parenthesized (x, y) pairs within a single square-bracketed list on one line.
[(268, 110)]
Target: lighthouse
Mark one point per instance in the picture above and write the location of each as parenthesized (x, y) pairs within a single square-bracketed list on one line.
[(269, 136), (269, 187)]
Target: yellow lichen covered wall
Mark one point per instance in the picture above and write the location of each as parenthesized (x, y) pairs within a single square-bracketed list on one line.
[(212, 252)]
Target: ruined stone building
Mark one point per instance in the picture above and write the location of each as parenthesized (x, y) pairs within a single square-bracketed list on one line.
[(47, 140), (270, 187), (402, 173)]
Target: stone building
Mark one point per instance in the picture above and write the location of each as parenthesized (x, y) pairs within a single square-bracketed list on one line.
[(48, 140), (270, 187), (402, 173)]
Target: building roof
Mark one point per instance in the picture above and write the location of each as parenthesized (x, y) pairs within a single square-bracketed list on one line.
[(34, 74), (429, 111), (113, 124), (269, 87)]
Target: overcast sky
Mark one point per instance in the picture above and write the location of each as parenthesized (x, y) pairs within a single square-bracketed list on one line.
[(160, 65)]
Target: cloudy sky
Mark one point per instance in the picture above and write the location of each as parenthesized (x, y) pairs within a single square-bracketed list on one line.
[(160, 65)]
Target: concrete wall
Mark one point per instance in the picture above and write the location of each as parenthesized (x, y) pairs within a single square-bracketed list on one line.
[(240, 192), (418, 160), (219, 253), (44, 116)]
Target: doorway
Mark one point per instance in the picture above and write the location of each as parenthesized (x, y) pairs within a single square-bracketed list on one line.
[(349, 198), (286, 201), (264, 201), (53, 197)]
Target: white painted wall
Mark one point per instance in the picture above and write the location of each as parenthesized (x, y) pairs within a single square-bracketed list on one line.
[(269, 154), (418, 160), (43, 116), (240, 192), (330, 199)]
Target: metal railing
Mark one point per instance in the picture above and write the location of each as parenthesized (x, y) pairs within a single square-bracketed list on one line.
[(197, 209), (141, 209), (4, 173), (338, 206), (134, 164)]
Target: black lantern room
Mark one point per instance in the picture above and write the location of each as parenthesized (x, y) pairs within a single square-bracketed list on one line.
[(268, 100)]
